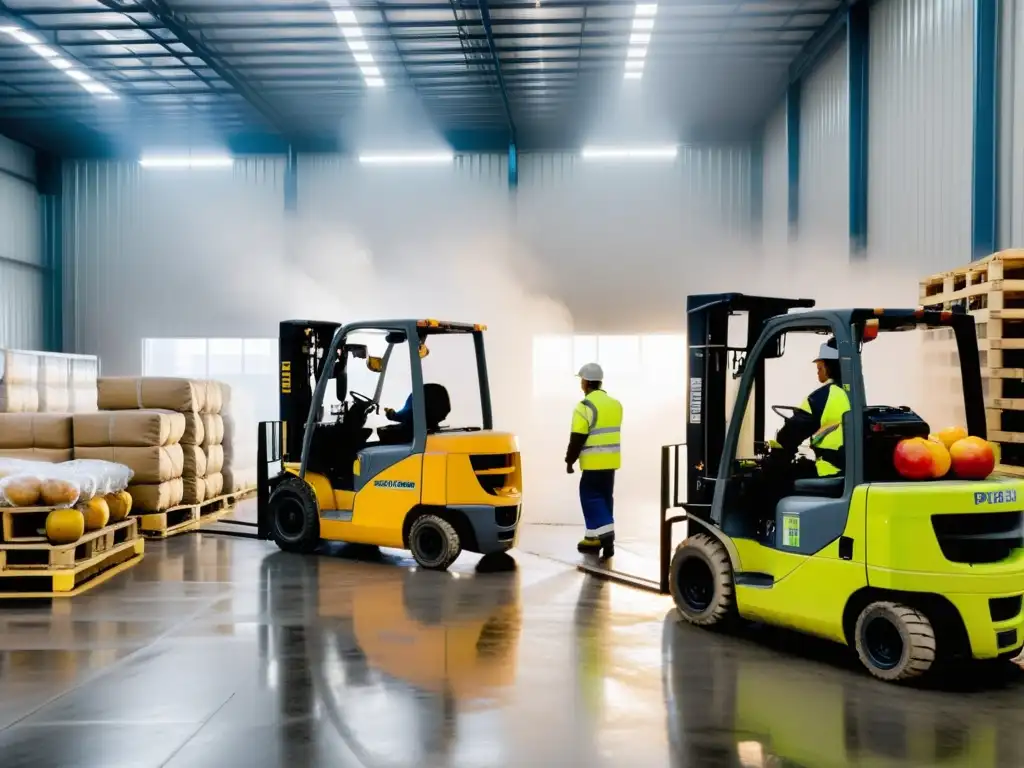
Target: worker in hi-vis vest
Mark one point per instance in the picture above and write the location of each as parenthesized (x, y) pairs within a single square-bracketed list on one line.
[(594, 441), (820, 417)]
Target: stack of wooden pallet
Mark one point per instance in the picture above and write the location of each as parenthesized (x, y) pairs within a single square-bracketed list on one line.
[(992, 290)]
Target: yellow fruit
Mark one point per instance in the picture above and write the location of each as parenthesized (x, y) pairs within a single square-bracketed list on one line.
[(118, 509), (23, 491), (950, 435), (127, 498), (59, 493), (940, 456), (96, 512), (64, 526)]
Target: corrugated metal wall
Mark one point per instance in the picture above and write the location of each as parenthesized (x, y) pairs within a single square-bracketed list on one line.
[(921, 132), (1011, 144), (23, 276), (775, 180), (825, 153), (619, 243), (169, 254)]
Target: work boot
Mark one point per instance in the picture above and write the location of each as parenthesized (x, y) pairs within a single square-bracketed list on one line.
[(588, 546), (607, 548)]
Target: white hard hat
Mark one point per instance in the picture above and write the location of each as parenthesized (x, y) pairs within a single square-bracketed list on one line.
[(827, 352), (591, 372)]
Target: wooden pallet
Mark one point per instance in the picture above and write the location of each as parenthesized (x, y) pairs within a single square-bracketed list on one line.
[(188, 517), (35, 584), (992, 291), (30, 556)]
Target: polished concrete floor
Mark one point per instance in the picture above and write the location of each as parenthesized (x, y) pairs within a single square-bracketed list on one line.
[(225, 652)]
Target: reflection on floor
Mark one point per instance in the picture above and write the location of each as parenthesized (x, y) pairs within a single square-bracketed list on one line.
[(225, 652)]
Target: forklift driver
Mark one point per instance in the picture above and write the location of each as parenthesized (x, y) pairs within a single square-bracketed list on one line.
[(820, 417)]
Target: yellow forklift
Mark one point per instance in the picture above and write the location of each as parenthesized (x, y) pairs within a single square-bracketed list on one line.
[(417, 485), (906, 573)]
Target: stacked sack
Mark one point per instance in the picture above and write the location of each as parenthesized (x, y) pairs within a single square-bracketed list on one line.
[(47, 382), (240, 437), (148, 442), (199, 404), (84, 495), (35, 436)]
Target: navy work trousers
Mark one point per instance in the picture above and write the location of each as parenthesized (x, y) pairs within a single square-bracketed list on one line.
[(597, 497)]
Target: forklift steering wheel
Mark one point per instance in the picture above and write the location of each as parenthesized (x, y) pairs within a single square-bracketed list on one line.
[(778, 411), (364, 400)]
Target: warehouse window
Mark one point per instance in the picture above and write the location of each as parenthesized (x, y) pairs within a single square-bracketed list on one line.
[(248, 365), (652, 366)]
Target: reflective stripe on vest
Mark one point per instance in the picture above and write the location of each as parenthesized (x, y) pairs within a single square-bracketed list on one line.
[(599, 417), (827, 442)]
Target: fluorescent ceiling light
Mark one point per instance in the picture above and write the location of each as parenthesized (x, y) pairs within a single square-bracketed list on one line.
[(45, 51), (646, 9), (51, 55), (643, 25), (186, 161), (349, 26), (407, 158), (630, 153), (634, 75), (636, 53), (634, 64), (640, 38)]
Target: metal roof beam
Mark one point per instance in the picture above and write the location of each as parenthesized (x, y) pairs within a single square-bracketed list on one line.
[(159, 10), (485, 18), (439, 5)]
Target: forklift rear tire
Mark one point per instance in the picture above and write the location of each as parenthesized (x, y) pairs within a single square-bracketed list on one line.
[(294, 516), (894, 641), (434, 543), (700, 579)]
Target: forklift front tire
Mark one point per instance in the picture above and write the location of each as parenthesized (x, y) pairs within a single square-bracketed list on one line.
[(434, 543), (895, 642), (701, 581), (294, 517)]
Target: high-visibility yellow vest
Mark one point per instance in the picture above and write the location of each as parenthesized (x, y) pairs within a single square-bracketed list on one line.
[(599, 417), (827, 442)]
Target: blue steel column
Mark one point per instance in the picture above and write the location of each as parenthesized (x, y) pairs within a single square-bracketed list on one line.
[(757, 188), (291, 182), (513, 166), (793, 155), (49, 184), (858, 38), (984, 196)]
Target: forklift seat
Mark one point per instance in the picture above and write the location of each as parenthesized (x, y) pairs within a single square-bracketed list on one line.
[(438, 405), (831, 487)]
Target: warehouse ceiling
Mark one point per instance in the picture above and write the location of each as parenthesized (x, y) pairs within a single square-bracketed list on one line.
[(109, 76)]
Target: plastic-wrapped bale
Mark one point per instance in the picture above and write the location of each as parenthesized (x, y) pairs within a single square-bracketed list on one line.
[(21, 431), (214, 399), (237, 480), (193, 474), (156, 497), (48, 455), (151, 465), (128, 429), (213, 430), (214, 485), (195, 432), (54, 384), (125, 393), (19, 381), (83, 372)]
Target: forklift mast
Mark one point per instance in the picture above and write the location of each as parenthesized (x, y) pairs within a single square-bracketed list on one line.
[(711, 362), (302, 345)]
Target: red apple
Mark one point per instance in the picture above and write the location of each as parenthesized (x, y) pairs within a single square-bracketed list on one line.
[(972, 458), (913, 459)]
